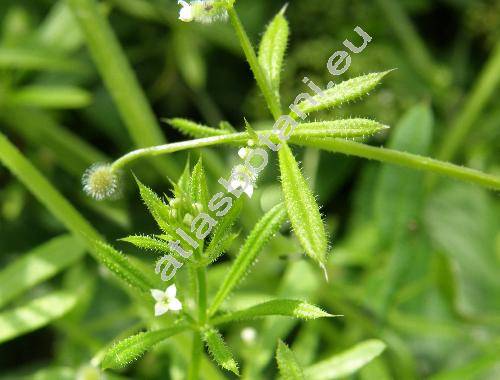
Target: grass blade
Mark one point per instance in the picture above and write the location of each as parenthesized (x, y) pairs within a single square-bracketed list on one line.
[(29, 59), (35, 314), (38, 265), (58, 97), (62, 209), (119, 78), (72, 152)]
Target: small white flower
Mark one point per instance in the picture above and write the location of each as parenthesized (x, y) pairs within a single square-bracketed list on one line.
[(243, 153), (243, 178), (166, 300), (248, 335), (186, 12)]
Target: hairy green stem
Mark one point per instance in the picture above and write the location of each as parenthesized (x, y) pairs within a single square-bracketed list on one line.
[(271, 99), (119, 77), (176, 147), (481, 93), (202, 295), (196, 353), (334, 145), (404, 159)]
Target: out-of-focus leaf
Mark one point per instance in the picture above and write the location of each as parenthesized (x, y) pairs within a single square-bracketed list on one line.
[(398, 195), (306, 343), (59, 97), (126, 351), (35, 314), (475, 369), (462, 222), (15, 25), (220, 351), (398, 203), (72, 153), (189, 60), (31, 59), (38, 265), (302, 208), (346, 363), (60, 30), (289, 368)]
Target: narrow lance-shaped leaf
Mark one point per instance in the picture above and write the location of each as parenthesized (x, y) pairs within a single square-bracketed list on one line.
[(147, 242), (119, 264), (260, 235), (302, 208), (158, 209), (193, 129), (220, 351), (199, 188), (222, 233), (346, 363), (341, 93), (348, 128), (182, 187), (283, 307), (38, 265), (130, 349), (35, 314), (289, 368), (272, 50)]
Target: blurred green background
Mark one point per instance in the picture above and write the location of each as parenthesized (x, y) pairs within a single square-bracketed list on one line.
[(415, 262)]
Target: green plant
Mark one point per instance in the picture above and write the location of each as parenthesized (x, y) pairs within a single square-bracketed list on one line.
[(201, 316)]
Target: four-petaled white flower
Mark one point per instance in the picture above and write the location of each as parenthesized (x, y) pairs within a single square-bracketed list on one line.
[(166, 300), (242, 177), (186, 12)]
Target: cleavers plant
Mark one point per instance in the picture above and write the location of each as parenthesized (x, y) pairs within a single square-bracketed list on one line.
[(199, 315)]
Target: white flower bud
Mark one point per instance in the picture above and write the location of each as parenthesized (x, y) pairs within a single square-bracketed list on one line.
[(186, 12), (204, 11)]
